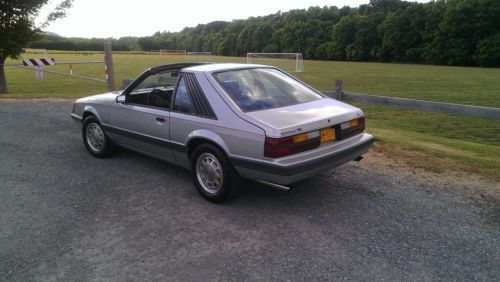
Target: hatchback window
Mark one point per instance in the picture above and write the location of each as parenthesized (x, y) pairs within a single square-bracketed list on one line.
[(264, 88)]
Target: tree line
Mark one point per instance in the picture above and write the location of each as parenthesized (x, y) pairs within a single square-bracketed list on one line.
[(444, 32)]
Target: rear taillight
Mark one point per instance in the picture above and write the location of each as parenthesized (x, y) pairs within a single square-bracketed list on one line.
[(280, 147), (350, 128)]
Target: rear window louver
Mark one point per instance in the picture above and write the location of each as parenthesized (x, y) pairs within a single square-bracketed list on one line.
[(199, 100)]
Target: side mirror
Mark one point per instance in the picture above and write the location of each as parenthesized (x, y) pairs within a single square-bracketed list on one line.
[(120, 99)]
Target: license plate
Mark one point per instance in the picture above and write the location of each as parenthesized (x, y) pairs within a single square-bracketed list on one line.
[(327, 134)]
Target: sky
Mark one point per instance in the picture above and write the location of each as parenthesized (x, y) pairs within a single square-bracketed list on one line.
[(115, 18)]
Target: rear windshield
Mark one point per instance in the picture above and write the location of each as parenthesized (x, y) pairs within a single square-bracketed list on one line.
[(263, 88)]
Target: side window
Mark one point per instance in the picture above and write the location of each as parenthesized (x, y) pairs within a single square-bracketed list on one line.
[(156, 90), (182, 101)]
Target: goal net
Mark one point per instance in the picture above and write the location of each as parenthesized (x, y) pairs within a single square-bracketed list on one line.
[(172, 52), (35, 51), (199, 56), (291, 62)]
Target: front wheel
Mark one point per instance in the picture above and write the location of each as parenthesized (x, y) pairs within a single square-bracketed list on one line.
[(213, 175), (94, 138)]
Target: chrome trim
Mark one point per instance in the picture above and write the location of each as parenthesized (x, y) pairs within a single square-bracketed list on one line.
[(75, 116), (274, 185)]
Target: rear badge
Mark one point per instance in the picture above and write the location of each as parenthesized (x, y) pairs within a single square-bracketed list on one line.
[(291, 131)]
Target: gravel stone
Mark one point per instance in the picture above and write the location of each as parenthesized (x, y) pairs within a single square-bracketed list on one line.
[(65, 215)]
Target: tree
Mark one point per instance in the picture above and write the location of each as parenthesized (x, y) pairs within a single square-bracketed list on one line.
[(18, 28), (400, 33), (454, 32), (488, 51), (261, 35), (464, 27), (342, 35), (366, 39)]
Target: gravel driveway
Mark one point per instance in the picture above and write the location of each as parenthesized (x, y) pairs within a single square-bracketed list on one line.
[(65, 215)]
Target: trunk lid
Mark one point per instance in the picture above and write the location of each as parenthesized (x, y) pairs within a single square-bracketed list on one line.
[(305, 117)]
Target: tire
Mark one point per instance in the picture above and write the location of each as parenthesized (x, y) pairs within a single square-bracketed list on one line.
[(213, 175), (95, 139)]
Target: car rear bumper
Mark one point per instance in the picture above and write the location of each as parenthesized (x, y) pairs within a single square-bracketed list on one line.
[(285, 174)]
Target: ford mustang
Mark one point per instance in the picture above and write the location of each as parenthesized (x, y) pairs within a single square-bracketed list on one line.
[(226, 122)]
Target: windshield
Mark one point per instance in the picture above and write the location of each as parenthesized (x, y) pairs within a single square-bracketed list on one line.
[(264, 88)]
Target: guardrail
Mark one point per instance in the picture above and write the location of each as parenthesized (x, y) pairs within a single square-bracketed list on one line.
[(426, 106)]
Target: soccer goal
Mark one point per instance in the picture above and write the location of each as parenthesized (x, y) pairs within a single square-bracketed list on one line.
[(291, 62), (173, 52), (199, 56), (36, 51)]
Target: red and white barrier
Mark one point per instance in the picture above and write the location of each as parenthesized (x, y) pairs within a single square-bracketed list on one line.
[(39, 62)]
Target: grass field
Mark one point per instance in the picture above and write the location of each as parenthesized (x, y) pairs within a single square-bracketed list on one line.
[(435, 142), (474, 86)]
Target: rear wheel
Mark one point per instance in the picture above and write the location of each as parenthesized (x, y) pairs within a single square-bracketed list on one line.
[(213, 175), (95, 139)]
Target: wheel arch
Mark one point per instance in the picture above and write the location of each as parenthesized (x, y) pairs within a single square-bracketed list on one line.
[(203, 136), (90, 111)]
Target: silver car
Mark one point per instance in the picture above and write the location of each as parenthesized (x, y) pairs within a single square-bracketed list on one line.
[(225, 122)]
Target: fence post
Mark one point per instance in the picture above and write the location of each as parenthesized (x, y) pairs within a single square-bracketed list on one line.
[(338, 89), (108, 66)]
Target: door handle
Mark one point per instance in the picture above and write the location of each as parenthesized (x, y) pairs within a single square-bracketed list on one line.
[(160, 120)]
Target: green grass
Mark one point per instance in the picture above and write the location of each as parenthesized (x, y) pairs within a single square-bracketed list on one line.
[(474, 86), (435, 142), (22, 83)]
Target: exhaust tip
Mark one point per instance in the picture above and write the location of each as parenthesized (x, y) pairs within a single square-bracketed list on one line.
[(274, 185), (358, 158)]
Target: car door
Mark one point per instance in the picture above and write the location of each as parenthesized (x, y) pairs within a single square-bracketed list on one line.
[(141, 125)]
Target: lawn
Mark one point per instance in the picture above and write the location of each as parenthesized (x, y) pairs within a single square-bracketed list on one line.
[(474, 86), (435, 142), (461, 85)]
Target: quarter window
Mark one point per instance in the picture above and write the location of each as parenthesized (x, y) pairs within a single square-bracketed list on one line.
[(182, 101)]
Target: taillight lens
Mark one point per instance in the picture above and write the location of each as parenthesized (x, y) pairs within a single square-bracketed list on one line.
[(280, 147), (352, 127)]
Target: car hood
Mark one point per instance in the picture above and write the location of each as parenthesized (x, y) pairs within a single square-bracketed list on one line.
[(295, 119), (100, 98)]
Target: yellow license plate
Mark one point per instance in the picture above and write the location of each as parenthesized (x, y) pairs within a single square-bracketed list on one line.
[(327, 134)]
